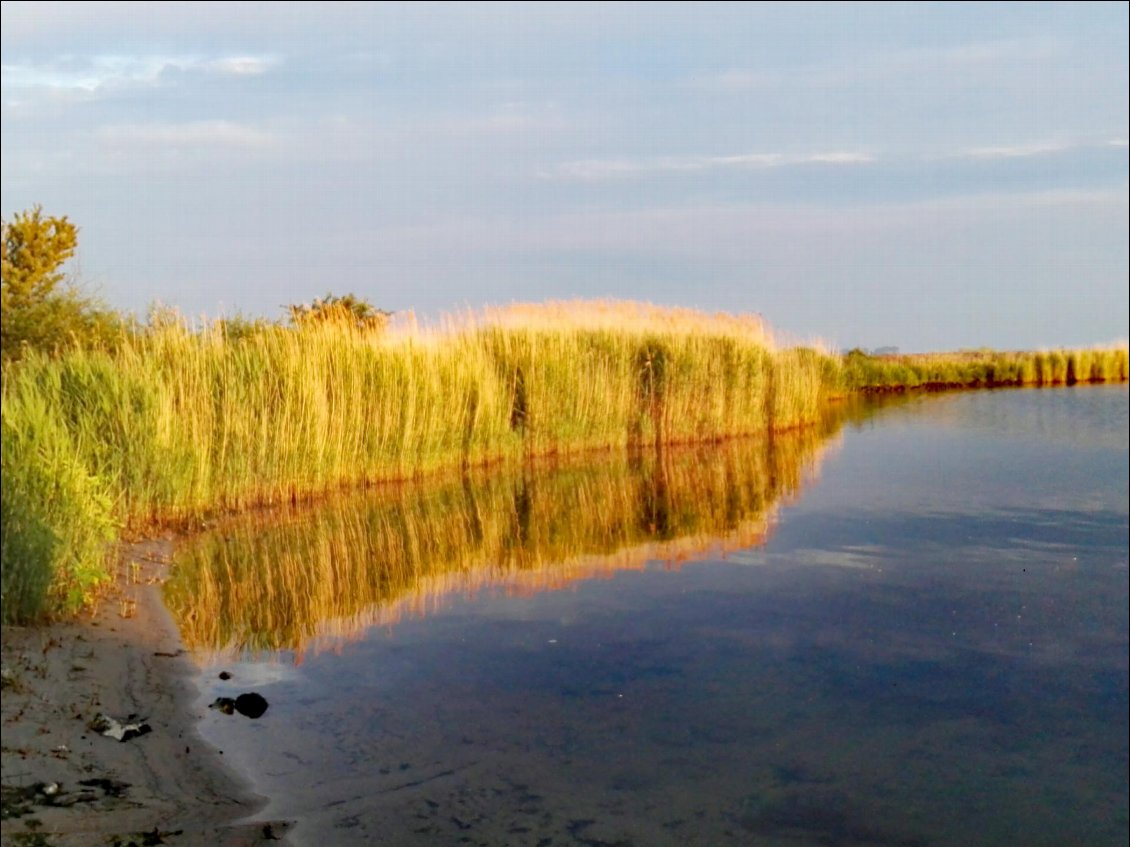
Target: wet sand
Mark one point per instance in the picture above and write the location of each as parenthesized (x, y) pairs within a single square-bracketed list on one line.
[(125, 658)]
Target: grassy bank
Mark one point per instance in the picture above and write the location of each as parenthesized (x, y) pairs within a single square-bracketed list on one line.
[(178, 424)]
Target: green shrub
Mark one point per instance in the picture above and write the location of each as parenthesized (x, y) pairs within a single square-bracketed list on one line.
[(39, 310)]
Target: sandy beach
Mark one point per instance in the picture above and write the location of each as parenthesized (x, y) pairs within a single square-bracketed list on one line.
[(67, 784)]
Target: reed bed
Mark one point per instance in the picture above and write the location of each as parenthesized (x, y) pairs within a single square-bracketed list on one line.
[(312, 577), (982, 369), (178, 424)]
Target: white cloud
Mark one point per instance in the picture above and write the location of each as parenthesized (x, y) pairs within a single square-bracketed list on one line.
[(92, 73), (1014, 151), (215, 133), (84, 73), (977, 57), (241, 65), (844, 158), (976, 54), (596, 169), (735, 80), (503, 119), (1026, 149)]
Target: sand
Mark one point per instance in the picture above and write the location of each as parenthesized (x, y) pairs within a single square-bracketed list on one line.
[(123, 658)]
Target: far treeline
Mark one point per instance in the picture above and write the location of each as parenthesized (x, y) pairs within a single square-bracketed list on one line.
[(115, 427)]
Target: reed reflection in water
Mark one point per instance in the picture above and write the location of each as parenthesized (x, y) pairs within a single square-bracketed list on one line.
[(929, 649), (310, 578)]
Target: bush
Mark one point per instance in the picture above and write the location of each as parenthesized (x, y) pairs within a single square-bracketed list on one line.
[(39, 309), (348, 310)]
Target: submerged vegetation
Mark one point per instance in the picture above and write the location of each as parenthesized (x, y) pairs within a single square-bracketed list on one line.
[(111, 427)]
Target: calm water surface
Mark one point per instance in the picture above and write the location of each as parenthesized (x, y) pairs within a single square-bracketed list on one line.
[(914, 633)]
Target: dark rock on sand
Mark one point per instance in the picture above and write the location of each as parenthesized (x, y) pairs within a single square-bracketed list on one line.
[(250, 705)]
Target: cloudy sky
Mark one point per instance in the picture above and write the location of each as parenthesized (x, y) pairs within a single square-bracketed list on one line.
[(930, 176)]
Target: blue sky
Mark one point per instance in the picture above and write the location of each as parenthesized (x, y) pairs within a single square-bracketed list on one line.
[(930, 176)]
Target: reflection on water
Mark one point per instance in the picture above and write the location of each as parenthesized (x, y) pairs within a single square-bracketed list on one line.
[(931, 650), (297, 580)]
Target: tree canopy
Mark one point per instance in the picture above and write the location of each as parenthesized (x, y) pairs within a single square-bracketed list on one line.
[(39, 307), (34, 247)]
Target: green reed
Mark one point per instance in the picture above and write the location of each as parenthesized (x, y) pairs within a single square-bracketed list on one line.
[(178, 424), (982, 368)]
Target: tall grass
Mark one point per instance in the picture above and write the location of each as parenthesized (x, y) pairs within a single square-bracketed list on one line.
[(55, 516), (981, 368), (178, 424)]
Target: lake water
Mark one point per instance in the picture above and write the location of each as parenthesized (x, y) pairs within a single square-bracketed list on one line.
[(908, 628)]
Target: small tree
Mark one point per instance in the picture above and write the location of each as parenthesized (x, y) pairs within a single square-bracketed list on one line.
[(349, 310), (34, 248), (37, 308)]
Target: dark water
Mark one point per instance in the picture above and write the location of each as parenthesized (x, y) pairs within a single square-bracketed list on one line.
[(925, 644)]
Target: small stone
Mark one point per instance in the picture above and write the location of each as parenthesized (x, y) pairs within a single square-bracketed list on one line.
[(251, 705), (224, 704)]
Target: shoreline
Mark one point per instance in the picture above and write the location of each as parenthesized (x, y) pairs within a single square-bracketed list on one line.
[(124, 658)]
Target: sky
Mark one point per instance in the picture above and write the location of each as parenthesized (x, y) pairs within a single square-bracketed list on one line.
[(925, 176)]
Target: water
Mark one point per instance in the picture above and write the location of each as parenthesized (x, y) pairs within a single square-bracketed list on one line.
[(911, 629)]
